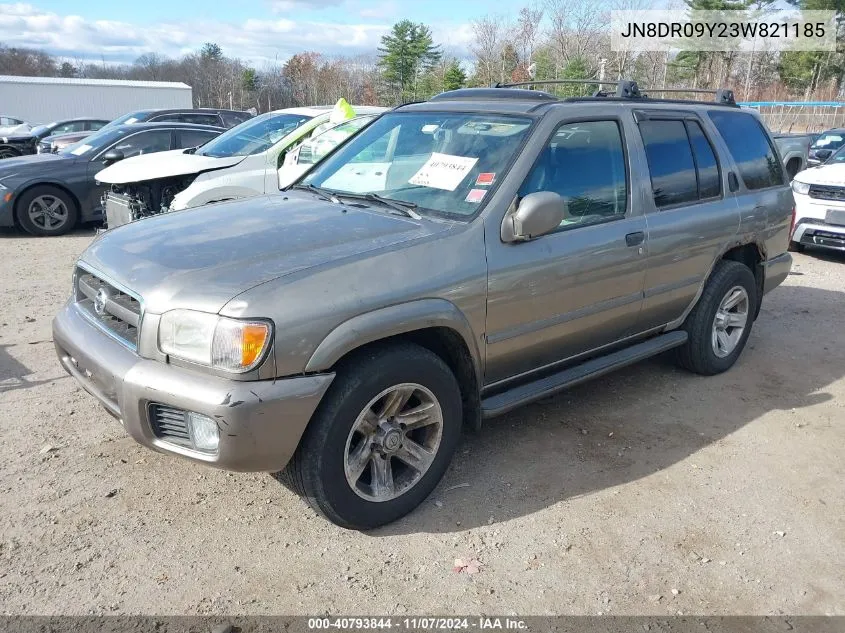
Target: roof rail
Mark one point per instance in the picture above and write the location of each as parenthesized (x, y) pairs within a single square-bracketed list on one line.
[(627, 89), (721, 95)]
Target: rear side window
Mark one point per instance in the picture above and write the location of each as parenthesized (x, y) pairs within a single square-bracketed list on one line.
[(750, 147), (681, 161), (194, 138), (670, 162), (705, 162)]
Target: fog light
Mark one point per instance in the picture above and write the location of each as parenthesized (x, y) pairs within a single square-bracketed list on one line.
[(203, 431)]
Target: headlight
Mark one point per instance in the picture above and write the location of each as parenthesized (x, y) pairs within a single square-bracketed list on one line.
[(800, 187), (212, 340)]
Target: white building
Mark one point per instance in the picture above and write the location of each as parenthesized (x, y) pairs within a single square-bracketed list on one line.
[(44, 99)]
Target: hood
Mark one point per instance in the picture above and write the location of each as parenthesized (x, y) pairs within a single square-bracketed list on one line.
[(25, 166), (833, 174), (202, 258), (162, 165)]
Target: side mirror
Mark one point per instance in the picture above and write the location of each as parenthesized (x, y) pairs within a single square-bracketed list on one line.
[(537, 214), (823, 154), (112, 156)]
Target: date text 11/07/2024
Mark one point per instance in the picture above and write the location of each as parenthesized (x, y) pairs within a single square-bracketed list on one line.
[(419, 623)]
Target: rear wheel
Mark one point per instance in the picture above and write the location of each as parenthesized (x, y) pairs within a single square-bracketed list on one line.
[(381, 439), (8, 152), (47, 211), (720, 323)]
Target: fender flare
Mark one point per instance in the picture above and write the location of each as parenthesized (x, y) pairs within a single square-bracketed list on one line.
[(761, 248), (390, 321)]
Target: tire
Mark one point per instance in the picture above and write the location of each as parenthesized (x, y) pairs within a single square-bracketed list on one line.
[(8, 152), (699, 354), (47, 211), (318, 469)]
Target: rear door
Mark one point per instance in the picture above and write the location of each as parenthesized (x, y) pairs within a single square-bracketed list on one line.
[(578, 288), (691, 212)]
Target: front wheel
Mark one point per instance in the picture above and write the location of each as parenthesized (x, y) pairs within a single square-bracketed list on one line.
[(720, 323), (381, 439), (47, 211)]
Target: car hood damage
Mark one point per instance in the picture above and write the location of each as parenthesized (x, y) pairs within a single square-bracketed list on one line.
[(162, 165), (202, 258)]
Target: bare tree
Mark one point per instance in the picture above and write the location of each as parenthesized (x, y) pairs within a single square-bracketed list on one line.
[(488, 46)]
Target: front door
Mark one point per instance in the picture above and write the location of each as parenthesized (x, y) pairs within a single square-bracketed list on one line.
[(580, 287)]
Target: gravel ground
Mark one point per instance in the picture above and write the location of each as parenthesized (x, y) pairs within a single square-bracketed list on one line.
[(648, 492)]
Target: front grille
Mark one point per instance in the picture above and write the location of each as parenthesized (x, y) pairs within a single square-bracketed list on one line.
[(827, 192), (169, 423), (114, 310)]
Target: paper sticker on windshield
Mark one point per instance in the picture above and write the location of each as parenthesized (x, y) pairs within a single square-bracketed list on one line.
[(475, 195), (443, 171), (79, 151), (485, 179)]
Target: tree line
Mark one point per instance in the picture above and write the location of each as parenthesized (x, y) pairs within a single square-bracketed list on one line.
[(553, 39)]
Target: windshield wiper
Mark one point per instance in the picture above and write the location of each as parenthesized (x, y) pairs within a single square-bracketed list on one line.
[(328, 197), (406, 208)]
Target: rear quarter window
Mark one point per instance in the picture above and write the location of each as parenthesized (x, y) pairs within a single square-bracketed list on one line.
[(753, 152)]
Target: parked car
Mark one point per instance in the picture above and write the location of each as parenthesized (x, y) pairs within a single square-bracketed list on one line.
[(241, 163), (454, 260), (201, 116), (825, 145), (820, 205), (26, 142), (315, 148), (11, 126), (48, 194), (794, 151)]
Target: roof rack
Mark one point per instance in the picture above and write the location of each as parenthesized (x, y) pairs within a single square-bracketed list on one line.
[(627, 89)]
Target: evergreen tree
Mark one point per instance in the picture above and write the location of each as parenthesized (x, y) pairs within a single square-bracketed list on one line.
[(455, 76), (405, 52)]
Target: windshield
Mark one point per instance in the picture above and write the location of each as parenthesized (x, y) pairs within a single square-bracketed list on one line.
[(441, 162), (254, 136), (323, 141), (838, 156), (94, 142), (130, 117), (829, 140)]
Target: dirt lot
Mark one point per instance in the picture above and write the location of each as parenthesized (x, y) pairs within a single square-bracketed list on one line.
[(649, 492)]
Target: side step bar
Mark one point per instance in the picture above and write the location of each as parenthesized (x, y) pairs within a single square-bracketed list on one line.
[(529, 392)]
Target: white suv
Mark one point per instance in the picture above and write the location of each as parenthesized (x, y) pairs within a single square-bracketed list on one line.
[(820, 205)]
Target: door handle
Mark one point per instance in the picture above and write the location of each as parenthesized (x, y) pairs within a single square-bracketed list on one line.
[(635, 239)]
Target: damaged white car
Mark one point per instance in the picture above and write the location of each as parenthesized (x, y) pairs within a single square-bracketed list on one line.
[(240, 163)]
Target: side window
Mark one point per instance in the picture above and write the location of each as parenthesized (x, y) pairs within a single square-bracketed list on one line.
[(96, 125), (756, 158), (173, 117), (144, 143), (231, 120), (73, 126), (202, 119), (194, 138), (709, 183), (670, 162), (584, 163)]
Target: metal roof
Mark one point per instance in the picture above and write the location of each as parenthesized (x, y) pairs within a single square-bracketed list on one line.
[(93, 82)]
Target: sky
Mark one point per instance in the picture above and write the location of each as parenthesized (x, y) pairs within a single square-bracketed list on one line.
[(258, 31)]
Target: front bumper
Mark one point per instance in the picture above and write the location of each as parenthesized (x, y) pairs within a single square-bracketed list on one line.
[(260, 422), (812, 233)]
